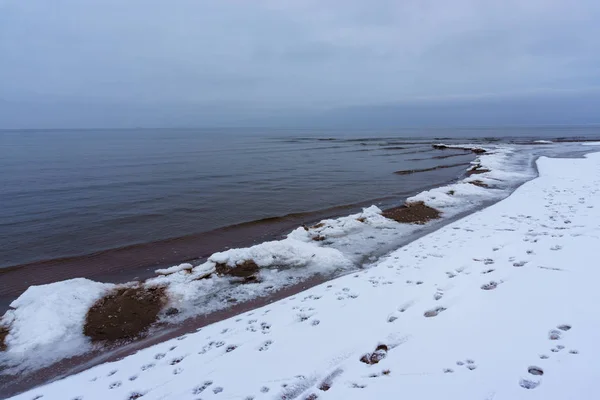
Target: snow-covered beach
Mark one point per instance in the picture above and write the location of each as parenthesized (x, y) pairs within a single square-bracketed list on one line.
[(491, 306)]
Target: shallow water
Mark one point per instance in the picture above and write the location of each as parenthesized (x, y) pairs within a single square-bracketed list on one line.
[(78, 192)]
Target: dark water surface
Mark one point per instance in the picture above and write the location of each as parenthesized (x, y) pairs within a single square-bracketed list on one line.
[(79, 192)]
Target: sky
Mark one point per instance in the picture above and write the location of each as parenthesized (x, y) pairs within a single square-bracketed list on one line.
[(154, 63)]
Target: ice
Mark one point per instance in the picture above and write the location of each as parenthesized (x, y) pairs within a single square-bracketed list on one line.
[(500, 304)]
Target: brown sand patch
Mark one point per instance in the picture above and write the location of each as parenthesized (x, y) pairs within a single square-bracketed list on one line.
[(412, 213), (479, 183), (477, 170), (317, 226), (241, 270), (476, 150), (3, 335), (124, 313), (318, 238)]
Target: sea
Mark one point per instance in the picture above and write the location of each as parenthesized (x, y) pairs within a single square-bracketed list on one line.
[(113, 203)]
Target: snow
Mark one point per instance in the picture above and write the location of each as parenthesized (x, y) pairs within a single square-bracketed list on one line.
[(47, 320), (590, 143), (543, 141), (174, 268), (498, 305)]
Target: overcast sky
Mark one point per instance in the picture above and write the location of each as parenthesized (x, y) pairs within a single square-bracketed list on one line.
[(193, 62)]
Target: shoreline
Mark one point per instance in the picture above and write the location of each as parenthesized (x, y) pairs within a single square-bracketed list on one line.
[(164, 332), (14, 384), (490, 260), (139, 261), (168, 331)]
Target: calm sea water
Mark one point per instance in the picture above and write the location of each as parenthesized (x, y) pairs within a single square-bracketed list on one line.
[(76, 192)]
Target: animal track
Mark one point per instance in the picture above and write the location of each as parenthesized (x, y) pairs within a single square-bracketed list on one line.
[(519, 264), (147, 366), (114, 385), (265, 346), (176, 360)]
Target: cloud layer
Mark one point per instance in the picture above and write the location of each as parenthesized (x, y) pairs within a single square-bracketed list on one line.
[(263, 57)]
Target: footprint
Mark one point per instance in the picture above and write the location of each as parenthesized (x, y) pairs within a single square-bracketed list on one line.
[(488, 271), (147, 366), (438, 295), (564, 327), (217, 390), (230, 348), (434, 312), (202, 388), (111, 373), (264, 389), (160, 356), (114, 385), (490, 285), (554, 334), (177, 371), (556, 247), (573, 351), (519, 264), (405, 306), (528, 384), (533, 370), (373, 358), (133, 377), (315, 322)]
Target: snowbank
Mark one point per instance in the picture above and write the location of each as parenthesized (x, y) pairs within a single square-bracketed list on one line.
[(47, 320)]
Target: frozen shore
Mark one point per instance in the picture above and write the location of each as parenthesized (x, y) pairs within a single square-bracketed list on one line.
[(415, 271)]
